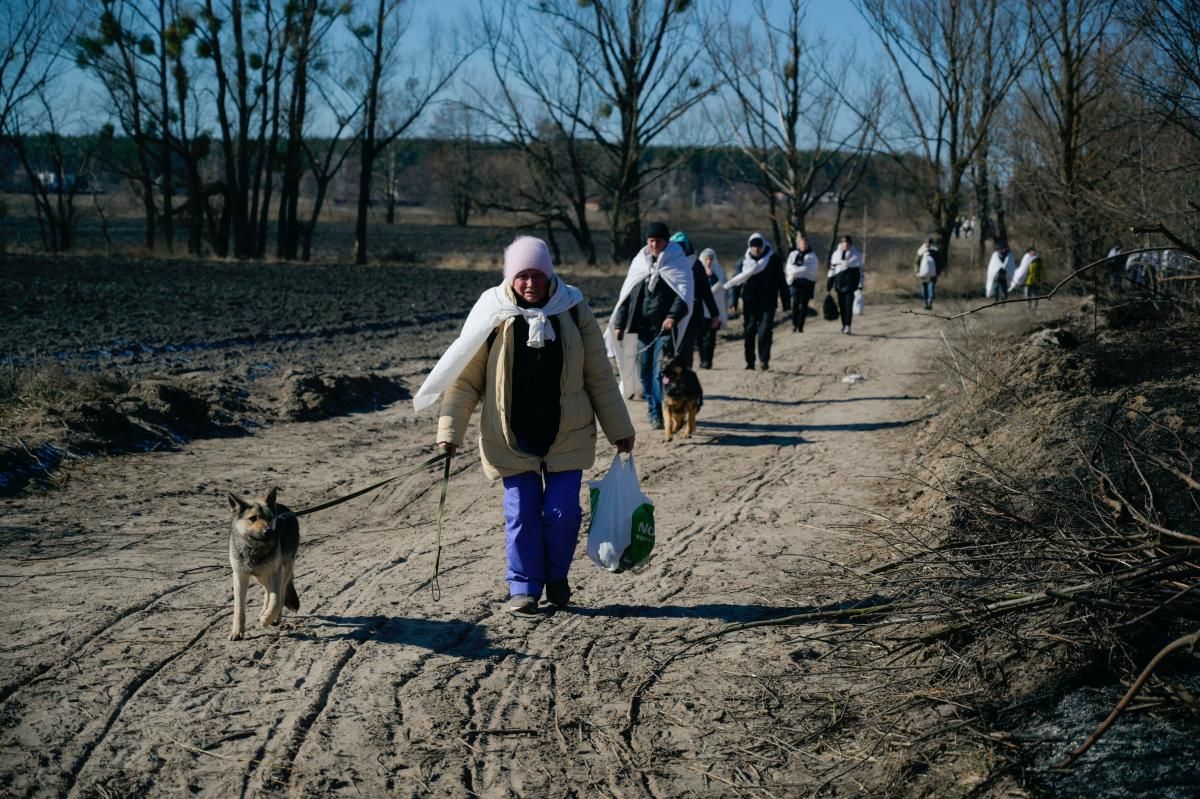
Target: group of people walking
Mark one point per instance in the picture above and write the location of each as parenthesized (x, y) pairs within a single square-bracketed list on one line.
[(533, 355), (1005, 275)]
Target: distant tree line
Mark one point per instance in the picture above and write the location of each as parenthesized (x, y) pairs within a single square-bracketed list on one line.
[(231, 119)]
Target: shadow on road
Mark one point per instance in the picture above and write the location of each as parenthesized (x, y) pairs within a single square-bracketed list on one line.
[(853, 427), (722, 612), (726, 398), (450, 637)]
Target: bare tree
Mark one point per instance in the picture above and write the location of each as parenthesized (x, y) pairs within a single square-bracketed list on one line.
[(120, 51), (325, 157), (1070, 114), (57, 166), (1168, 79), (643, 77), (390, 105), (537, 106), (939, 49), (455, 159), (305, 38), (789, 111), (31, 38)]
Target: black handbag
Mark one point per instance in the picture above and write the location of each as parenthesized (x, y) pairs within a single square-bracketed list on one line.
[(830, 308)]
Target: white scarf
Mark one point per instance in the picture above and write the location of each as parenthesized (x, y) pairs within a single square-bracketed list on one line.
[(751, 266), (673, 266), (492, 308)]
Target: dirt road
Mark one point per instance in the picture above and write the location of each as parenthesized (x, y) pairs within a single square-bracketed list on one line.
[(117, 677)]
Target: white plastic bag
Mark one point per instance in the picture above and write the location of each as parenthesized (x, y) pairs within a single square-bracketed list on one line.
[(859, 302), (621, 532)]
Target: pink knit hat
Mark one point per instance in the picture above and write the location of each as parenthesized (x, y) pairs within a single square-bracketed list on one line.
[(527, 252)]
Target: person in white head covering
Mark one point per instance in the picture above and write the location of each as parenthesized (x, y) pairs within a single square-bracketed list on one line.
[(801, 274), (845, 275), (761, 284), (714, 273), (655, 304), (706, 315), (533, 354)]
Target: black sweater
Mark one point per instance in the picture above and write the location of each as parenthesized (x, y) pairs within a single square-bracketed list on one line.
[(536, 389)]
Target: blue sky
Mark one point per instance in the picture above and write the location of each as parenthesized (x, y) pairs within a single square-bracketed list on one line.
[(830, 20)]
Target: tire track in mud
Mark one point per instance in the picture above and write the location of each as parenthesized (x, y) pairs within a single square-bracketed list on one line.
[(300, 730), (547, 636), (44, 670), (310, 718), (128, 695), (566, 675)]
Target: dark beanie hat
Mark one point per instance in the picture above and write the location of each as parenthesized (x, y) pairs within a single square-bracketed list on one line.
[(657, 230)]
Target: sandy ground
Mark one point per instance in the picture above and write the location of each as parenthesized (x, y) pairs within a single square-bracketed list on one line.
[(117, 677)]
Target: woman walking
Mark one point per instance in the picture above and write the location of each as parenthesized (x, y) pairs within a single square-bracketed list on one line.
[(846, 275), (761, 285), (706, 315), (927, 271), (532, 352), (801, 273), (714, 273)]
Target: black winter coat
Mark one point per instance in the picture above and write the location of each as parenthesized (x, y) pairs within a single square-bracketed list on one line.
[(644, 310), (760, 292)]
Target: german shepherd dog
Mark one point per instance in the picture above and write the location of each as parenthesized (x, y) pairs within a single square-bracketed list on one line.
[(263, 541), (682, 398)]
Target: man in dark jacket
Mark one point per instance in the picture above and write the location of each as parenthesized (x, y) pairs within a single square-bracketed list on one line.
[(762, 284), (652, 310)]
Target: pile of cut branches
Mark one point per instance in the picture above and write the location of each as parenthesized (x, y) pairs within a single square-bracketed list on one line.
[(1060, 531)]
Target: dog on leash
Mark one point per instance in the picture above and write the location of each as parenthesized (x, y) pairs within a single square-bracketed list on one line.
[(263, 541), (682, 398)]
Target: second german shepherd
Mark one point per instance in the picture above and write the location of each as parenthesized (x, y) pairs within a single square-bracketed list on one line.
[(263, 541), (682, 398)]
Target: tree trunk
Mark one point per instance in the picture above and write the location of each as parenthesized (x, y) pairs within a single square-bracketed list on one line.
[(166, 149), (367, 154), (627, 238)]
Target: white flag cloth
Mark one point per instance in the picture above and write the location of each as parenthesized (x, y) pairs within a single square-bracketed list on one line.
[(673, 266), (492, 308)]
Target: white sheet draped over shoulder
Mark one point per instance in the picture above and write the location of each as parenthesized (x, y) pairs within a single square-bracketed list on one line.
[(675, 267), (1018, 278), (492, 308), (995, 266)]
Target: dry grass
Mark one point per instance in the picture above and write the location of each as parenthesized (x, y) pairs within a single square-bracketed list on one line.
[(36, 388)]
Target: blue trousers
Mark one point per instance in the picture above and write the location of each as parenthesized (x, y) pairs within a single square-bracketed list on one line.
[(542, 518), (649, 367)]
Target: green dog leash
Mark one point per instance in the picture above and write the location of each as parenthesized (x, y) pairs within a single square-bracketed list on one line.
[(444, 457), (435, 586)]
